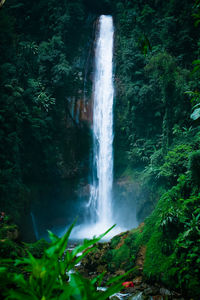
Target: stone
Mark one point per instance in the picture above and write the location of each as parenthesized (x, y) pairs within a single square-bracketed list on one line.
[(137, 280), (151, 291), (114, 297), (100, 269), (165, 292), (120, 272), (137, 296)]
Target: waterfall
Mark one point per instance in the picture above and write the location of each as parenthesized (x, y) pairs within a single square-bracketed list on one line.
[(99, 207), (34, 226), (101, 188)]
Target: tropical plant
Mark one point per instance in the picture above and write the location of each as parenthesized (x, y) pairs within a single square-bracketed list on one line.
[(54, 276)]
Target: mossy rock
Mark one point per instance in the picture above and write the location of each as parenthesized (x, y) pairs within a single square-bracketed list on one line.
[(9, 231), (115, 241), (123, 251)]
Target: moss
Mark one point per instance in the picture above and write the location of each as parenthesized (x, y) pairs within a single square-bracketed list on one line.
[(123, 251), (157, 265), (171, 237), (121, 257), (115, 241)]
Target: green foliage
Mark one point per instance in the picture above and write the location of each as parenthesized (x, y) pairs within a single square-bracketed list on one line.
[(187, 255), (196, 13), (156, 262), (140, 152), (176, 161), (9, 249), (194, 166), (51, 276), (120, 257), (171, 234), (122, 252), (151, 89), (171, 222), (195, 100), (42, 55), (41, 59), (37, 249), (115, 241)]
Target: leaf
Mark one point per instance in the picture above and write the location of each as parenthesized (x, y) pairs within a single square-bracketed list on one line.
[(98, 279), (197, 105), (54, 238), (60, 245), (196, 23), (110, 291), (48, 278), (196, 114), (196, 62), (196, 68)]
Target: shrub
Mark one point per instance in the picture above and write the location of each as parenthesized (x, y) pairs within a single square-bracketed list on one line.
[(194, 166), (170, 222), (176, 162)]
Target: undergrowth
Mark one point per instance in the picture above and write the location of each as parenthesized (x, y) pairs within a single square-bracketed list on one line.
[(53, 276)]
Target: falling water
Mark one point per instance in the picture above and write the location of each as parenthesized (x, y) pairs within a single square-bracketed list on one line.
[(100, 201), (101, 189), (34, 226)]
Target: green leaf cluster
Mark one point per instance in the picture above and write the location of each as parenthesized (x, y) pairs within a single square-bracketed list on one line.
[(54, 275)]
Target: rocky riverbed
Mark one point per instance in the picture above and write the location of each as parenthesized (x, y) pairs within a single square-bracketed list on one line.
[(111, 258)]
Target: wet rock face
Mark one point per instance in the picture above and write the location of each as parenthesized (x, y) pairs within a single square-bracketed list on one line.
[(83, 191), (80, 112)]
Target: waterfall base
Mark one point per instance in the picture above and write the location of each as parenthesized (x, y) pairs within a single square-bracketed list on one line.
[(88, 231)]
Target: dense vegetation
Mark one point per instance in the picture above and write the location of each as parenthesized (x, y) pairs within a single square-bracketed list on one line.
[(157, 121), (152, 107), (44, 64), (42, 68), (52, 274)]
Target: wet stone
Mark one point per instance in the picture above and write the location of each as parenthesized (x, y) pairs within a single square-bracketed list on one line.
[(165, 292)]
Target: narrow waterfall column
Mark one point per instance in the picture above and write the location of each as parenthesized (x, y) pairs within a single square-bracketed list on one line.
[(101, 189), (100, 202)]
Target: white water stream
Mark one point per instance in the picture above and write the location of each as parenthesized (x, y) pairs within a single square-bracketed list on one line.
[(101, 188), (100, 202)]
